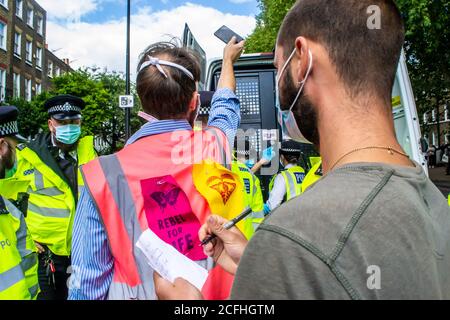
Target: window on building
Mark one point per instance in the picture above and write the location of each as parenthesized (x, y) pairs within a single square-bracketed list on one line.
[(57, 71), (4, 3), (446, 113), (433, 115), (2, 85), (434, 138), (39, 57), (30, 17), (40, 25), (425, 118), (38, 88), (28, 89), (17, 43), (16, 85), (3, 35), (19, 8), (50, 69), (29, 51)]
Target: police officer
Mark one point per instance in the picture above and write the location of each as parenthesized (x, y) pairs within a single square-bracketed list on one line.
[(51, 164), (18, 254), (241, 166), (313, 175), (286, 184)]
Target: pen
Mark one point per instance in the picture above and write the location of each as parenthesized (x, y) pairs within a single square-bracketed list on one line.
[(228, 225)]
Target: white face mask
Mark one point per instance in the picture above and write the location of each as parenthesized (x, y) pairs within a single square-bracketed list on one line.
[(286, 118)]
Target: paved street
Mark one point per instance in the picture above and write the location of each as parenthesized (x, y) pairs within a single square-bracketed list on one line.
[(441, 180)]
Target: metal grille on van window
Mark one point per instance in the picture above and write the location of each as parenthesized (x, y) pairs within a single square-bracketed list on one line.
[(247, 89)]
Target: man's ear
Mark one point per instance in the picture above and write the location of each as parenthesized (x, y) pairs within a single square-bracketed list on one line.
[(194, 100), (302, 62)]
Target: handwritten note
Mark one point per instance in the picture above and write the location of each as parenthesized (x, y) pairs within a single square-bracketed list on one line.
[(168, 262)]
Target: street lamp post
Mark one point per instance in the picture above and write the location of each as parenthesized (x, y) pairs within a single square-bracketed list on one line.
[(127, 76)]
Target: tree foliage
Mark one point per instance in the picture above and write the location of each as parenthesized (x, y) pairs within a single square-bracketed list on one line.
[(427, 37), (268, 22), (102, 116)]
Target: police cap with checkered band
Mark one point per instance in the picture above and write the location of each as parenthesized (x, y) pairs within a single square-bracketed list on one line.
[(65, 107), (8, 123), (291, 148)]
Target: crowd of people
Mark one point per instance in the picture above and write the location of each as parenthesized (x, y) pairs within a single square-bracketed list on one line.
[(363, 206)]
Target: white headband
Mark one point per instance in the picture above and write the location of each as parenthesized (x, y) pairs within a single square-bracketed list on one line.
[(157, 63)]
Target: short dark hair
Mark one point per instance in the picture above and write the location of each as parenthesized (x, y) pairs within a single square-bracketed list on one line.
[(366, 59), (167, 98)]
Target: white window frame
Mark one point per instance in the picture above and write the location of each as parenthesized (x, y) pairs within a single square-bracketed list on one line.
[(425, 118), (5, 35), (28, 86), (433, 139), (2, 85), (39, 57), (433, 115), (20, 7), (16, 85), (18, 44), (57, 71), (30, 23), (446, 113), (4, 3), (29, 53), (40, 26), (50, 69), (38, 88)]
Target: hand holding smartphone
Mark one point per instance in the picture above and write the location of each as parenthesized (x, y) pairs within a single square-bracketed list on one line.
[(225, 34)]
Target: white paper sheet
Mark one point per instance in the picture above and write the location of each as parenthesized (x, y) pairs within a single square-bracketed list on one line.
[(168, 262)]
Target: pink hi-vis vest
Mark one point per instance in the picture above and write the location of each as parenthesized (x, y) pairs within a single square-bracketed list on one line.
[(149, 184)]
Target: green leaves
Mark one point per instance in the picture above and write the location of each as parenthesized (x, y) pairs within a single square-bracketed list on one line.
[(268, 23), (102, 116)]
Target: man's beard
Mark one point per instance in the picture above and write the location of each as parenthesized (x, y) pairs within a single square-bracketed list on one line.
[(7, 162), (304, 110)]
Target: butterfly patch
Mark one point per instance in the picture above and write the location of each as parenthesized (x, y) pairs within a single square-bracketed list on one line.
[(166, 198), (224, 185)]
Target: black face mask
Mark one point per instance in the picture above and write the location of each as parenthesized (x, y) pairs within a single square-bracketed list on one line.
[(304, 110)]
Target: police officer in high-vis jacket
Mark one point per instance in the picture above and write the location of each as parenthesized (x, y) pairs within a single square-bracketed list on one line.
[(18, 254), (286, 184), (241, 166), (51, 163)]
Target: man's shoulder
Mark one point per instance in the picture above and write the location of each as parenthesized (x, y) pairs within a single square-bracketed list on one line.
[(322, 214)]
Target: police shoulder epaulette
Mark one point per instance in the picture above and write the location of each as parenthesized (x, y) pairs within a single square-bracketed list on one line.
[(21, 146)]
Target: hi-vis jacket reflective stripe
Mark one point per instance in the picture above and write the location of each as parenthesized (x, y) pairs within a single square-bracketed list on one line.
[(313, 175), (293, 178), (18, 257), (253, 197), (124, 188), (52, 203)]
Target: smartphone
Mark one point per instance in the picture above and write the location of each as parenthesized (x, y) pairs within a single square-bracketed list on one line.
[(225, 34)]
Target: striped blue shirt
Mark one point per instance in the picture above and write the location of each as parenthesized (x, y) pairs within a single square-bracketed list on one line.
[(92, 261)]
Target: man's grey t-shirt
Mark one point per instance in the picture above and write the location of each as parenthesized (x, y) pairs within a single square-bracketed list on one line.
[(364, 231)]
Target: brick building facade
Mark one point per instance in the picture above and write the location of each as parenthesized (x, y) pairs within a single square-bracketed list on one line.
[(26, 65)]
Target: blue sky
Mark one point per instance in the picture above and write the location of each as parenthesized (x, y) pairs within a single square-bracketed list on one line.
[(92, 32), (116, 9)]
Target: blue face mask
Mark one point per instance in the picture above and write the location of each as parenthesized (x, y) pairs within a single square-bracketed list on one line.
[(250, 163), (286, 118), (68, 134)]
